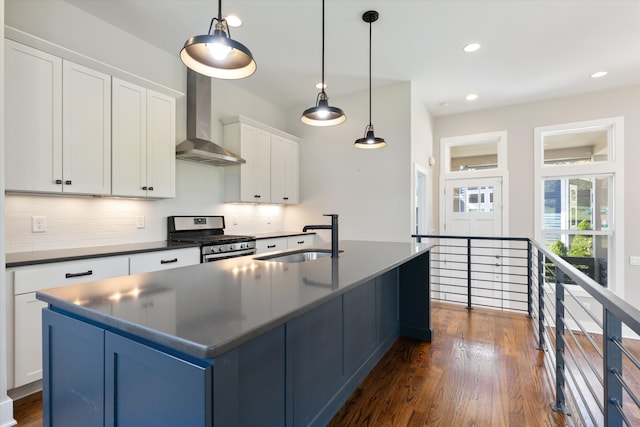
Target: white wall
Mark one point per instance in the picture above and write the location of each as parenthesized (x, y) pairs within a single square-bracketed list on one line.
[(520, 120), (369, 189), (421, 149)]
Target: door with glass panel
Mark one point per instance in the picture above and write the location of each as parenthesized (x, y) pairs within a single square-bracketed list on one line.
[(474, 208)]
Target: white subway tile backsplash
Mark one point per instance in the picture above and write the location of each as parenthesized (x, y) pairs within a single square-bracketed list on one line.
[(86, 221)]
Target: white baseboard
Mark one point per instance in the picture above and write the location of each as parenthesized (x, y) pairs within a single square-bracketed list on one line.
[(6, 413)]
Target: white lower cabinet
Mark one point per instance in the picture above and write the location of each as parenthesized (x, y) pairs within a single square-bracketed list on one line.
[(280, 243), (27, 316), (270, 245), (300, 241), (163, 260), (28, 310)]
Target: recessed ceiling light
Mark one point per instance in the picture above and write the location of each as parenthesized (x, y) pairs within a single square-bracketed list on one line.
[(471, 47), (598, 74), (471, 97), (233, 21), (321, 85)]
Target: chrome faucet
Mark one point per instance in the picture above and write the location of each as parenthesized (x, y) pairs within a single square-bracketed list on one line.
[(334, 232)]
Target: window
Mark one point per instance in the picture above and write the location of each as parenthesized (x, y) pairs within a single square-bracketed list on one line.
[(577, 177)]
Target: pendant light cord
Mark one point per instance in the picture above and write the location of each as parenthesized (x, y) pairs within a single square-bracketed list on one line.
[(370, 74), (322, 47)]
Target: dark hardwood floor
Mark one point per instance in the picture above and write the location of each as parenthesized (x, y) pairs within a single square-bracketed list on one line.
[(482, 369)]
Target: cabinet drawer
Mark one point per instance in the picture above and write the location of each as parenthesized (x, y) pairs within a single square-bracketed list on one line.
[(269, 245), (163, 260), (69, 273), (299, 241)]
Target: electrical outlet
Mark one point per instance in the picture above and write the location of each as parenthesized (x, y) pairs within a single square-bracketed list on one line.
[(38, 224), (634, 260), (140, 221)]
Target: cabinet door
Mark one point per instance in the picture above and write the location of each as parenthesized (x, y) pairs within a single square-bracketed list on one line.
[(161, 145), (249, 386), (73, 386), (86, 130), (163, 260), (314, 361), (284, 171), (255, 185), (129, 164), (146, 387), (28, 339), (269, 245), (300, 241), (33, 119), (359, 326)]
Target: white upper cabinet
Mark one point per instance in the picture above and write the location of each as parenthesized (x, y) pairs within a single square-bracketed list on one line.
[(143, 142), (57, 124), (86, 130), (270, 174), (284, 170)]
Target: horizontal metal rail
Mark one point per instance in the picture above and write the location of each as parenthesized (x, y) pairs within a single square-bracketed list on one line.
[(589, 335)]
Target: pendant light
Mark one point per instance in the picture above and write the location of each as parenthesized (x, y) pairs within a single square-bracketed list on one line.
[(322, 114), (370, 140), (218, 55)]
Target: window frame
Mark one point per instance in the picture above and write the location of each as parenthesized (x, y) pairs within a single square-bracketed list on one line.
[(613, 166)]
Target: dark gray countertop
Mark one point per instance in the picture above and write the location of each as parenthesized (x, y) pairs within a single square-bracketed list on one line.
[(208, 309), (18, 259)]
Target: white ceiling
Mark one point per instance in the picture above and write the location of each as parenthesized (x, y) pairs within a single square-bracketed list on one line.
[(531, 50)]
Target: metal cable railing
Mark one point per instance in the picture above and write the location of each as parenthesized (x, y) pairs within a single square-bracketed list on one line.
[(590, 337)]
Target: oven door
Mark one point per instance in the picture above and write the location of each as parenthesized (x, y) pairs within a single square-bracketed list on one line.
[(226, 255)]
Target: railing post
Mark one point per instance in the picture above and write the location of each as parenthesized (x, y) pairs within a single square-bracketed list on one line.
[(559, 404), (541, 283), (612, 365), (529, 280), (468, 274)]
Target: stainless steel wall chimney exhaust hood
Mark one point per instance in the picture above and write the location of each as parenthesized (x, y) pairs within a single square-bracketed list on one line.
[(198, 146)]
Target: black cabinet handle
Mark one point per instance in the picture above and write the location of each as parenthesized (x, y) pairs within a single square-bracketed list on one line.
[(271, 246), (150, 188), (58, 181), (168, 261), (257, 196), (300, 242), (84, 273), (67, 182), (144, 188), (285, 198)]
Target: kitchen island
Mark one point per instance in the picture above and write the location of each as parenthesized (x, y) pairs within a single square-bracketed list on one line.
[(235, 342)]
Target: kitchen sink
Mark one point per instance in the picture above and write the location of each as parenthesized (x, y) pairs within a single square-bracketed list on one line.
[(297, 256)]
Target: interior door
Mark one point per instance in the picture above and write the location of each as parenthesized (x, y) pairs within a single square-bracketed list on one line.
[(473, 207)]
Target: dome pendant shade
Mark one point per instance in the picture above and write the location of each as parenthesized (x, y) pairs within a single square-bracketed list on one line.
[(323, 114), (369, 140), (218, 55)]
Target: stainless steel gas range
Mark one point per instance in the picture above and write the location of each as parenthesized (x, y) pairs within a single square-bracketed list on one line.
[(208, 231)]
